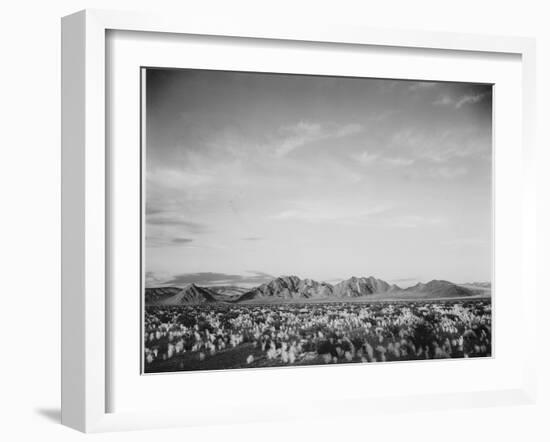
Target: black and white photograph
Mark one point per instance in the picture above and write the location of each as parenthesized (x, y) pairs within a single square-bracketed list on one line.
[(298, 220)]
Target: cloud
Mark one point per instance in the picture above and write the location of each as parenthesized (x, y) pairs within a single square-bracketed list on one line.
[(192, 177), (253, 238), (449, 172), (149, 210), (181, 240), (458, 102), (323, 213), (211, 278), (413, 278), (413, 221), (156, 241), (295, 136), (420, 85), (469, 99), (298, 135), (366, 158), (444, 145), (399, 161), (346, 130), (466, 242), (167, 178), (156, 278), (165, 241), (443, 100), (259, 274), (169, 219)]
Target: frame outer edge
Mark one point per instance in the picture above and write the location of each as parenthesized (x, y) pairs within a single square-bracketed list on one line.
[(73, 79), (529, 211), (83, 343), (337, 33)]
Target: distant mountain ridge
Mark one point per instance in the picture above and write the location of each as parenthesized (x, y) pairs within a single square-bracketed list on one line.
[(289, 288), (156, 295), (354, 287), (440, 289), (191, 294), (479, 288), (480, 284)]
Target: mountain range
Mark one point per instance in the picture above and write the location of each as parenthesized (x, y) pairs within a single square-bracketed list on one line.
[(293, 288)]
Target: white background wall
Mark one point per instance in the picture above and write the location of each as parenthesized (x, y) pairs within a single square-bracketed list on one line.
[(30, 221)]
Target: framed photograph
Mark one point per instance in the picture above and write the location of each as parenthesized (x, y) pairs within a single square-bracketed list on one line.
[(309, 181), (290, 218)]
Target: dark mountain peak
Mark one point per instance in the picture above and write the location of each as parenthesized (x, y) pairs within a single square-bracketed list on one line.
[(162, 289), (293, 279), (190, 294), (155, 294), (289, 287), (439, 288), (192, 286), (360, 286)]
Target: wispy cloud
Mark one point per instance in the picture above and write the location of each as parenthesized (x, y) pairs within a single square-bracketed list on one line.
[(458, 102), (345, 130), (421, 85), (399, 161), (366, 158), (413, 278), (166, 241), (443, 100), (295, 136), (442, 146), (177, 179), (156, 278), (319, 213), (149, 210), (466, 242), (413, 221), (182, 240), (170, 219), (469, 99), (448, 172)]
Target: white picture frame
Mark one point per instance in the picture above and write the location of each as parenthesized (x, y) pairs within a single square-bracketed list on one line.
[(85, 209)]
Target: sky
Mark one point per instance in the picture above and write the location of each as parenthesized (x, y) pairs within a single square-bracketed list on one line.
[(249, 176)]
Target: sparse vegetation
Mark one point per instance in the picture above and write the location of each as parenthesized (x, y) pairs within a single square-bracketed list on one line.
[(223, 336)]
